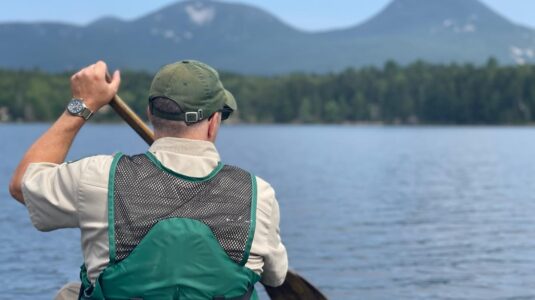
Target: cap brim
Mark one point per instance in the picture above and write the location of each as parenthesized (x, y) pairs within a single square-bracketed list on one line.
[(230, 101)]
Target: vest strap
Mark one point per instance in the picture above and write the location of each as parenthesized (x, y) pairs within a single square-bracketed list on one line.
[(246, 296)]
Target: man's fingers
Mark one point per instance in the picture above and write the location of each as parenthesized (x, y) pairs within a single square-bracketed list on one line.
[(100, 69), (116, 80), (92, 85)]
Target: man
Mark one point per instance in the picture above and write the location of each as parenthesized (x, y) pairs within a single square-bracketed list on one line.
[(173, 223)]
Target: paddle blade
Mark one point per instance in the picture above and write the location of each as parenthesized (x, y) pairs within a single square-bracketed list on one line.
[(294, 287)]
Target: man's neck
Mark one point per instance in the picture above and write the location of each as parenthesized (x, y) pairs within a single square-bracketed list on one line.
[(184, 136)]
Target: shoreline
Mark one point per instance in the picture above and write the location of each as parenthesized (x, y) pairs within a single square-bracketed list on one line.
[(243, 124)]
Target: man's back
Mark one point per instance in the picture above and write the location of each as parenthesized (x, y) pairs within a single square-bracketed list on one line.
[(84, 203)]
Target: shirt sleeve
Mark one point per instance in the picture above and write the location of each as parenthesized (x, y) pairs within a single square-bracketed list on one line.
[(50, 192), (268, 251)]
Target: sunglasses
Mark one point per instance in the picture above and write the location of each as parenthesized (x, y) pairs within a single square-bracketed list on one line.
[(225, 113)]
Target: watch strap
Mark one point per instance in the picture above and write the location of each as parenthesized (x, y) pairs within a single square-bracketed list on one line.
[(86, 113)]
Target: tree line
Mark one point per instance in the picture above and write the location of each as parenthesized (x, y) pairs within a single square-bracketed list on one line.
[(419, 93)]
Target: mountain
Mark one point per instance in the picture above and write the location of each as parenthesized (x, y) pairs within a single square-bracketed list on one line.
[(230, 36), (441, 31), (434, 17), (245, 39)]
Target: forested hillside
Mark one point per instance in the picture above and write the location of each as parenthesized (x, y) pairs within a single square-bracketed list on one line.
[(419, 93)]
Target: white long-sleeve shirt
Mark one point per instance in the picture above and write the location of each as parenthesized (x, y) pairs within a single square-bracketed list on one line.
[(74, 195)]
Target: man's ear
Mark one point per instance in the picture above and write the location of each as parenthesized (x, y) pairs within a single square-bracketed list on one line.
[(149, 115), (213, 126)]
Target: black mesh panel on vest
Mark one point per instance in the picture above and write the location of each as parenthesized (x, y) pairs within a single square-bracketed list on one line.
[(144, 195)]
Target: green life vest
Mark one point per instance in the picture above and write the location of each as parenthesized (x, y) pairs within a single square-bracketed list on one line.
[(176, 237)]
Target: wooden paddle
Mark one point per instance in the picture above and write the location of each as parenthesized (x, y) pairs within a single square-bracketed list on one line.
[(294, 287), (130, 117)]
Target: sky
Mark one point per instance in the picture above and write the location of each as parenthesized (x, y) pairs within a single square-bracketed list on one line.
[(311, 15)]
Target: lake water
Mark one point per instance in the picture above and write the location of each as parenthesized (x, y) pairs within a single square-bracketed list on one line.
[(367, 212)]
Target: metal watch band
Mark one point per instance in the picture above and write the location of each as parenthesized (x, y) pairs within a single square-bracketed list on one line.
[(86, 113)]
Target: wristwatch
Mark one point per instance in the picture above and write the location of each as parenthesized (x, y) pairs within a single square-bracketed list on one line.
[(76, 107)]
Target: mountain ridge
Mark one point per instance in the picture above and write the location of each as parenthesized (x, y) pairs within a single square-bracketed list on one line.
[(245, 39)]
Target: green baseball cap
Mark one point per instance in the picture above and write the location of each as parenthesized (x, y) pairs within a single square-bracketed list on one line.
[(195, 87)]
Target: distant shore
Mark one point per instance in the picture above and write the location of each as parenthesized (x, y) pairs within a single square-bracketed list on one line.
[(418, 94), (346, 124)]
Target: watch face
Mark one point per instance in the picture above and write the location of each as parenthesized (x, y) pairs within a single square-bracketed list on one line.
[(76, 106)]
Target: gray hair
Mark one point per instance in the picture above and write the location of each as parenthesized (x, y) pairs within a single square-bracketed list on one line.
[(170, 127)]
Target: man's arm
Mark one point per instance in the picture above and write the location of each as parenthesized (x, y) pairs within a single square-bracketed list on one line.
[(90, 85), (268, 254), (276, 258)]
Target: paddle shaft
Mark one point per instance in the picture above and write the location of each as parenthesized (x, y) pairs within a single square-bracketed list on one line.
[(130, 117)]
